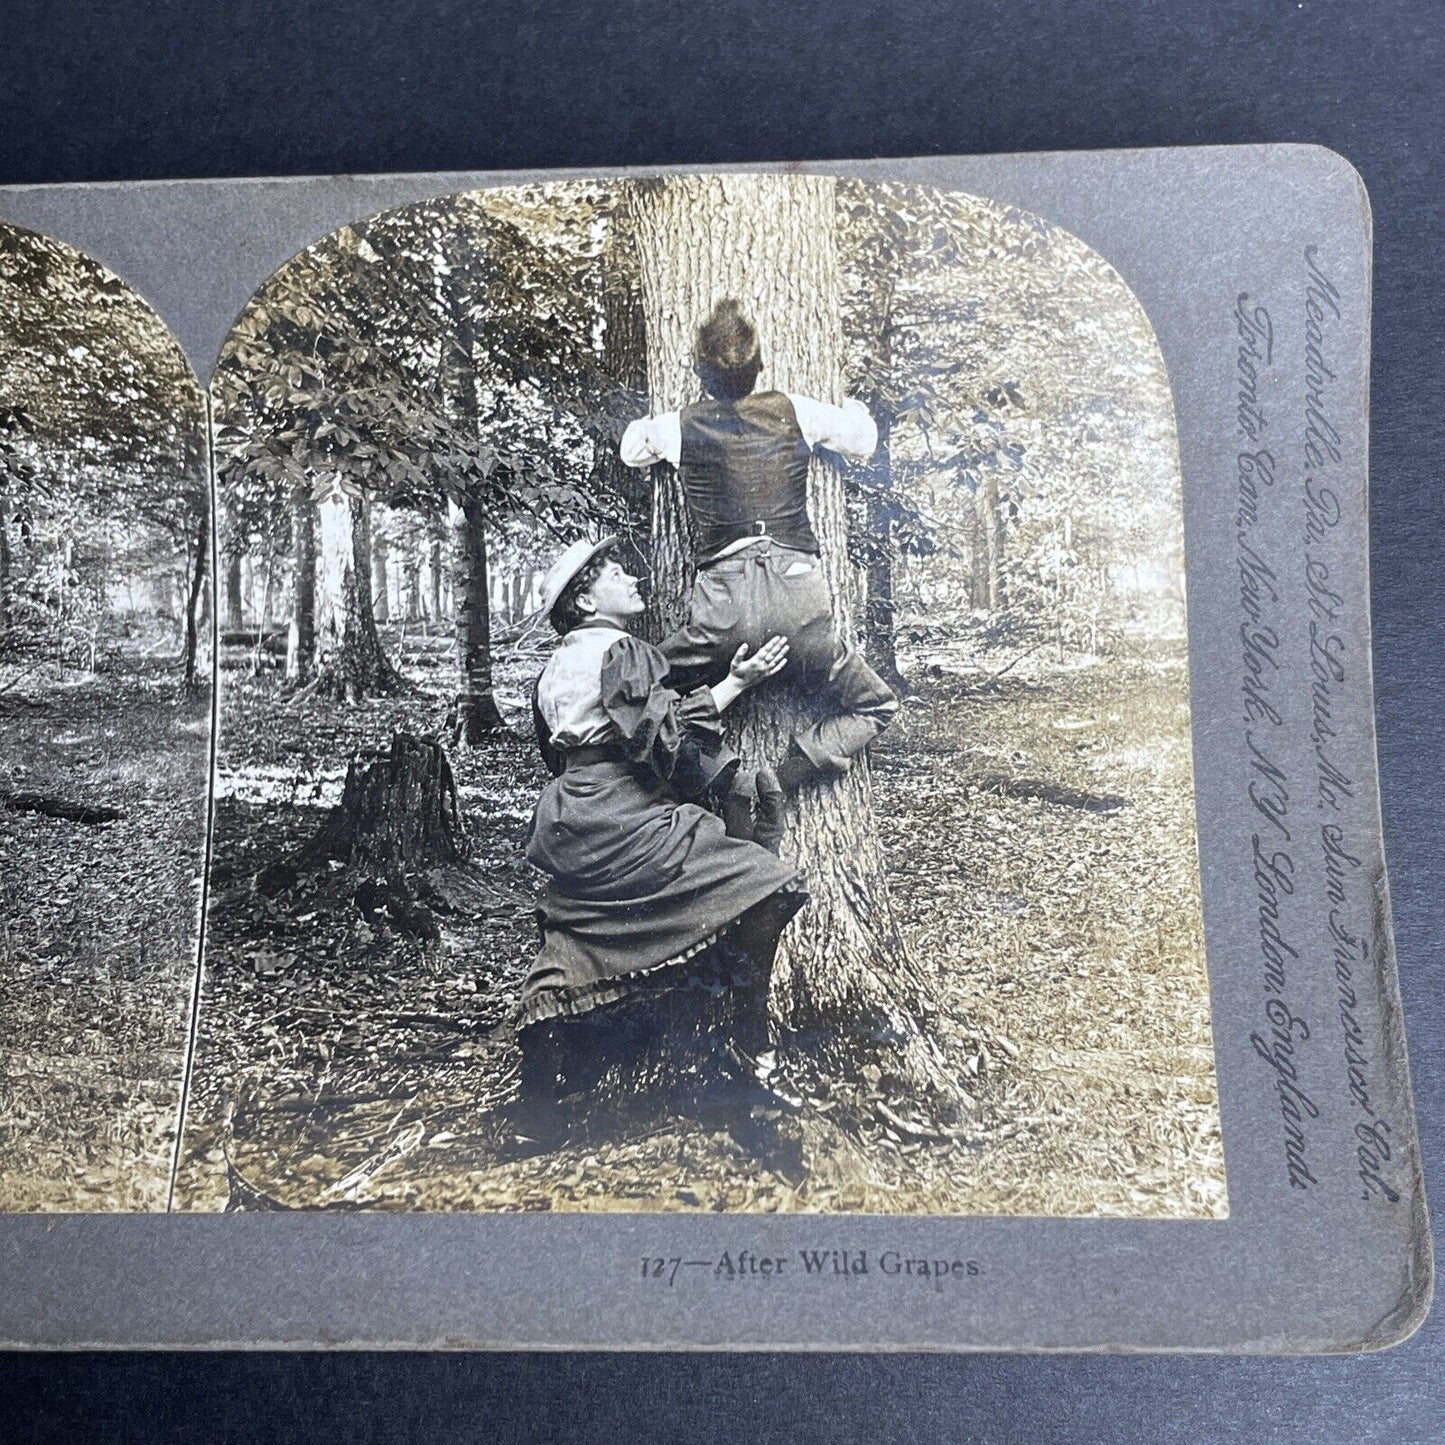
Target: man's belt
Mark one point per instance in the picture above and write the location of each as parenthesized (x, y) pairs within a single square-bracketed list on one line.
[(597, 753), (759, 544)]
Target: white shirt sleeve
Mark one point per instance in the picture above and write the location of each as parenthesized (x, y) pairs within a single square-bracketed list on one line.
[(847, 429), (653, 439)]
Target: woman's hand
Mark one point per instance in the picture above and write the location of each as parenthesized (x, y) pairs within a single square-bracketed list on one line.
[(745, 672), (766, 662)]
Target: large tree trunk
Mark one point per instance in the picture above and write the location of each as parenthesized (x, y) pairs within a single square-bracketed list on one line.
[(843, 978), (476, 712), (352, 665), (301, 637)]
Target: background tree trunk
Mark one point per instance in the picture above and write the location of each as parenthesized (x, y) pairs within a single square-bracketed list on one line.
[(12, 471), (4, 562), (235, 618), (398, 814), (352, 665), (476, 712), (880, 616), (399, 837), (380, 579), (436, 566), (989, 547), (411, 577), (624, 358), (195, 599), (843, 974), (301, 638)]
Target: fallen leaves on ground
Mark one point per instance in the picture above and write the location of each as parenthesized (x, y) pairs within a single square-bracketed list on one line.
[(1067, 934), (97, 934)]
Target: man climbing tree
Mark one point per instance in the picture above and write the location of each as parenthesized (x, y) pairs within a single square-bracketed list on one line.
[(743, 460)]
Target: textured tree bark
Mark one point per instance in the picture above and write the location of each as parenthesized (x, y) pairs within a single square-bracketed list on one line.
[(351, 665), (880, 632), (301, 637), (398, 813), (476, 712), (844, 980)]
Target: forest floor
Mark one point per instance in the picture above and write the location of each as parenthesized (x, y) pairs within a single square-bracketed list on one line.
[(97, 930), (1039, 831)]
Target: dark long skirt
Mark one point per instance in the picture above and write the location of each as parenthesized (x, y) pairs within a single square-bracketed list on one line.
[(686, 1041), (640, 885)]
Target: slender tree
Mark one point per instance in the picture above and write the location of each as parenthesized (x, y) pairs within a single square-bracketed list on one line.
[(195, 605), (380, 573), (14, 474), (624, 361), (350, 663), (475, 714), (301, 634)]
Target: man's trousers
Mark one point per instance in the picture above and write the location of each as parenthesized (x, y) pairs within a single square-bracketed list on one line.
[(768, 591)]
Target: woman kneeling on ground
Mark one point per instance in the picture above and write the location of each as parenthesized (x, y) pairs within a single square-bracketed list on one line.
[(660, 919)]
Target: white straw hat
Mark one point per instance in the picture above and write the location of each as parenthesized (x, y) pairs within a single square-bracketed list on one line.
[(567, 566)]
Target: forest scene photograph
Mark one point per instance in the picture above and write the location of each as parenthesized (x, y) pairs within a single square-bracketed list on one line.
[(701, 709), (105, 722), (992, 998)]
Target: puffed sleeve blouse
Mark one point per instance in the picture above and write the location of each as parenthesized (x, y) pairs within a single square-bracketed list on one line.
[(604, 687)]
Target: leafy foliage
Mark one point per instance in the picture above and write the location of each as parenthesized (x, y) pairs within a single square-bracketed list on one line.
[(460, 355), (101, 441), (441, 350), (1027, 407)]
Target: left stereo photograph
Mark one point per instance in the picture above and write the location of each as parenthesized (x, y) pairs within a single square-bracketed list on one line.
[(105, 731)]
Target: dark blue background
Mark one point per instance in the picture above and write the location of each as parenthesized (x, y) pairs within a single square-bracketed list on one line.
[(254, 87)]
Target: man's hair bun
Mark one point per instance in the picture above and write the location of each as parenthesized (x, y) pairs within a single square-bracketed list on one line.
[(726, 353)]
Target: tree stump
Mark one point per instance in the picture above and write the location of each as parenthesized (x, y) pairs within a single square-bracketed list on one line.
[(399, 836), (398, 813)]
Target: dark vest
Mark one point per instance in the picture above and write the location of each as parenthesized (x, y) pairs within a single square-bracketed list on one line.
[(745, 473)]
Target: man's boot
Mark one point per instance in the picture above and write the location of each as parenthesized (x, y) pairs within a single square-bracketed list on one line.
[(768, 818), (737, 811), (796, 769)]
